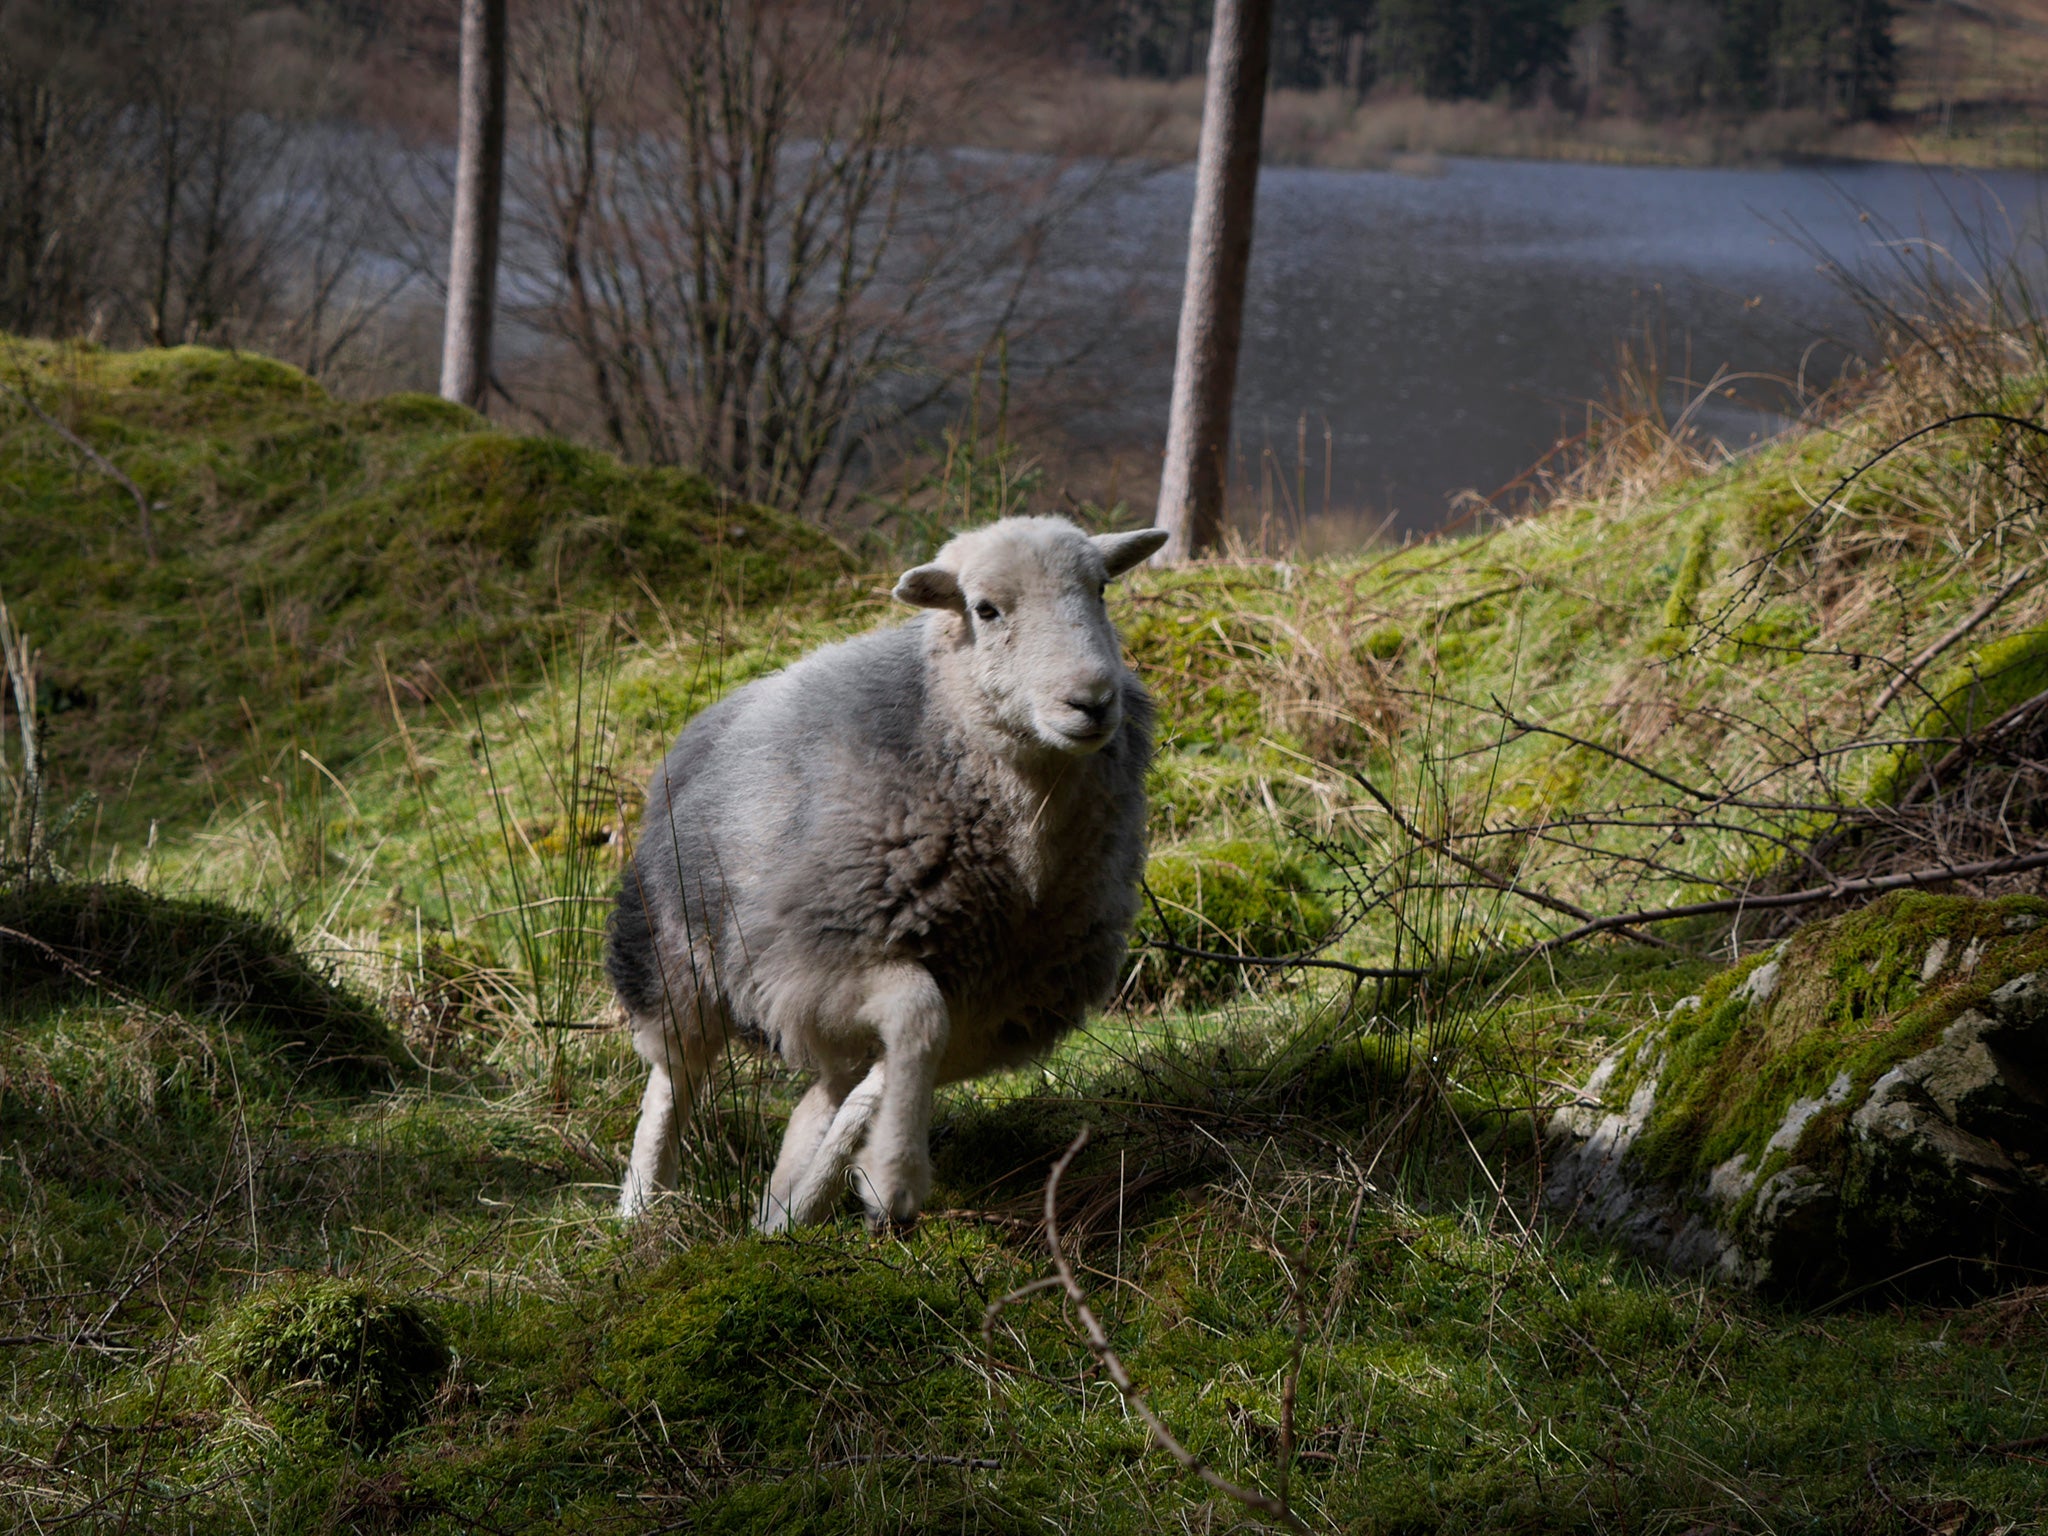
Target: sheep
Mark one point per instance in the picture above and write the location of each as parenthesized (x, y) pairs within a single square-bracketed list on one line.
[(908, 859)]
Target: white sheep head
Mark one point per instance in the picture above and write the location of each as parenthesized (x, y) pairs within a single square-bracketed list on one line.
[(1022, 622)]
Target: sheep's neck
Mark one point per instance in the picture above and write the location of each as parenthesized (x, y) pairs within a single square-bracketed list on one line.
[(1035, 792)]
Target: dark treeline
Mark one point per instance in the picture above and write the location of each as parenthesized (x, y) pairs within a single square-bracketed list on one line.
[(1656, 58), (174, 172)]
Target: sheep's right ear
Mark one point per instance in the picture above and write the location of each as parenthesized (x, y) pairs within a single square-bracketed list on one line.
[(1121, 551), (930, 586)]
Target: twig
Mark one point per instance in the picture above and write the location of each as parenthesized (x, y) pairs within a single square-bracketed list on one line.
[(920, 1458), (100, 461), (1364, 972), (1494, 880), (1113, 1367), (1306, 957), (1977, 615), (1870, 886)]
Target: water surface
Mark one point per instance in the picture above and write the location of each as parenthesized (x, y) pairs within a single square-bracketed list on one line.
[(1445, 329)]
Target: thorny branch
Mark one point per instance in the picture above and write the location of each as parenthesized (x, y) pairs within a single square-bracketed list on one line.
[(1274, 1508)]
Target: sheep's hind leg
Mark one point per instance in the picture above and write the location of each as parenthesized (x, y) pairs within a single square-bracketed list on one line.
[(808, 1125), (679, 1062)]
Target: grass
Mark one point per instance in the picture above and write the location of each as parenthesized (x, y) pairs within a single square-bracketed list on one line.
[(367, 740)]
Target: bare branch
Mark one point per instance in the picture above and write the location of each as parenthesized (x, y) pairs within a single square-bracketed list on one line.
[(1274, 1509), (1874, 885), (99, 461)]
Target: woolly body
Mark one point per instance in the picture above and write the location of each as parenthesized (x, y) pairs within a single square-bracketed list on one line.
[(909, 859)]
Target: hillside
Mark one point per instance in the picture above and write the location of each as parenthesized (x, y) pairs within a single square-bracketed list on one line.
[(312, 556), (329, 1089)]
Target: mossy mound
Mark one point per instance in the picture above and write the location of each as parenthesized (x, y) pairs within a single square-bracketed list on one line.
[(1230, 898), (1196, 646), (319, 560), (1985, 685), (337, 1356), (767, 1346), (1800, 1123), (59, 941)]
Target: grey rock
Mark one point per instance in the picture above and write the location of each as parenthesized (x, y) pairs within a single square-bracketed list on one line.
[(1943, 1156)]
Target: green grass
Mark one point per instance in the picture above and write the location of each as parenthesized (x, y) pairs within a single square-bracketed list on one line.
[(368, 742)]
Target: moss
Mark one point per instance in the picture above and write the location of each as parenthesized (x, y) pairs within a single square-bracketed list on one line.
[(212, 373), (1988, 682), (1849, 1001), (338, 1356), (1679, 611), (763, 1343), (410, 412), (1386, 643), (1240, 897)]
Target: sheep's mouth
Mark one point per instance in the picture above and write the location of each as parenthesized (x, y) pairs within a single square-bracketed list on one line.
[(1090, 737)]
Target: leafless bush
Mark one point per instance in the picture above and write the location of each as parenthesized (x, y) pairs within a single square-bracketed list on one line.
[(172, 174), (62, 177), (727, 211)]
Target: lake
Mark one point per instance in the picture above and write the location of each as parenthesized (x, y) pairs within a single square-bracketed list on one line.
[(1445, 328)]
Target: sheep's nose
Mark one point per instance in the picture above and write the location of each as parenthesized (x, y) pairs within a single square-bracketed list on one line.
[(1095, 706)]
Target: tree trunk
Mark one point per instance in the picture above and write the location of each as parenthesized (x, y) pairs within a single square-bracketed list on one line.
[(479, 194), (1192, 484)]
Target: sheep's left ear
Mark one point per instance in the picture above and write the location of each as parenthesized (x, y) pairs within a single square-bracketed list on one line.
[(1121, 551), (930, 586)]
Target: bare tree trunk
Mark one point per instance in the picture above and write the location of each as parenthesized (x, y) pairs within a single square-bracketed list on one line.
[(1192, 483), (479, 195)]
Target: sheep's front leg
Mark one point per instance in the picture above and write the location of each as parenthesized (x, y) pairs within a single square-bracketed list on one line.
[(894, 1170), (809, 1127)]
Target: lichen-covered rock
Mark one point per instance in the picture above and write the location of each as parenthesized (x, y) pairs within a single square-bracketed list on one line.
[(1867, 1103)]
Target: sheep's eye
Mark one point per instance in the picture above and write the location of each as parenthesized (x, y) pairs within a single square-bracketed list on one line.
[(987, 612)]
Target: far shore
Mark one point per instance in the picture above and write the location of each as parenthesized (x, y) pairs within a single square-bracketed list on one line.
[(1160, 121)]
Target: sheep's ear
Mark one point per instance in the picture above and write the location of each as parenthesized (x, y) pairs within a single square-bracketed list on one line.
[(1121, 551), (930, 586)]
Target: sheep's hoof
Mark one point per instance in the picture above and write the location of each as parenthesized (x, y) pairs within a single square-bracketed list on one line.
[(883, 1224), (634, 1198)]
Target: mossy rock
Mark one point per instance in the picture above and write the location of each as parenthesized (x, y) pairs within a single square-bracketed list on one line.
[(1240, 897), (338, 1357), (186, 956), (1857, 1104)]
